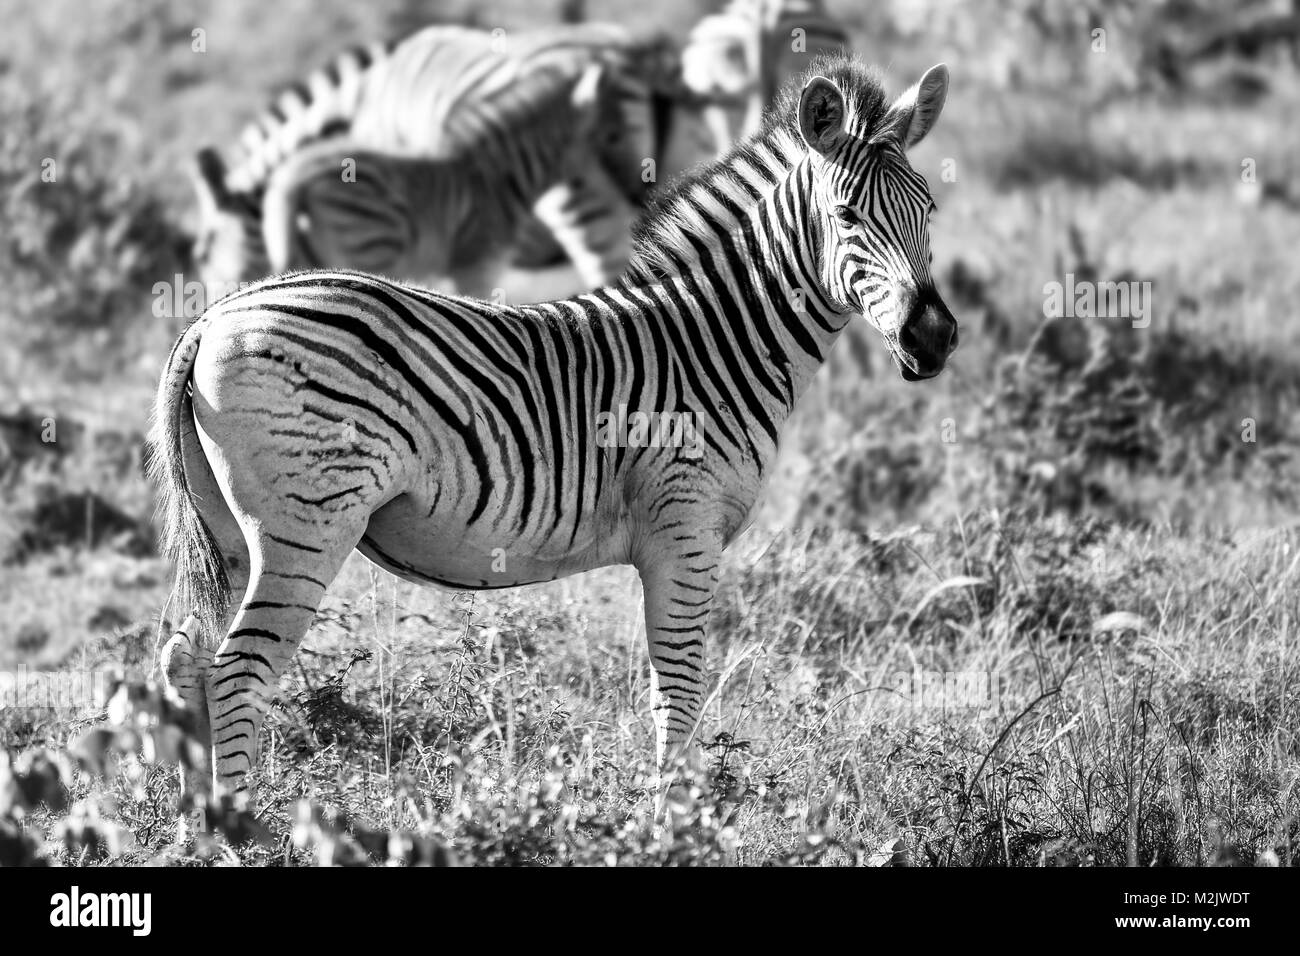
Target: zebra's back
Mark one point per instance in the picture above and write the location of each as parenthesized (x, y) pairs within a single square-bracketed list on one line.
[(446, 89)]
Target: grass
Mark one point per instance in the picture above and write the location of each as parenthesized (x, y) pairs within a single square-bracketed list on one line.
[(1087, 717), (1038, 612)]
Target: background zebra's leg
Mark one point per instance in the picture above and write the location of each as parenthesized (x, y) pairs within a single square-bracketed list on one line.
[(590, 219), (679, 589)]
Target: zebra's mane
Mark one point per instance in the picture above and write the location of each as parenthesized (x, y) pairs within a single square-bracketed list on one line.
[(699, 206)]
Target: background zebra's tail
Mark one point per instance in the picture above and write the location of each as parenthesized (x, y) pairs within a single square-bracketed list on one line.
[(201, 582)]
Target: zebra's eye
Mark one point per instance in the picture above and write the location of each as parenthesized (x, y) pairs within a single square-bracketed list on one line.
[(846, 217)]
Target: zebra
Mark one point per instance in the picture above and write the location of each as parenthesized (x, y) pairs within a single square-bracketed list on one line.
[(585, 218), (674, 109), (459, 443), (337, 203), (440, 94)]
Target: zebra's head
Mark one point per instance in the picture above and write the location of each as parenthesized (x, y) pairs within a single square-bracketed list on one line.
[(228, 246), (871, 209)]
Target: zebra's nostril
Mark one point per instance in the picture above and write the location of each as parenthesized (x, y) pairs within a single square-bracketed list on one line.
[(929, 330), (942, 336), (907, 338)]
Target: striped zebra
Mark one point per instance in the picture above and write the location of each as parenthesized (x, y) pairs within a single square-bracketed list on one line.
[(469, 444), (585, 218), (444, 93), (449, 220)]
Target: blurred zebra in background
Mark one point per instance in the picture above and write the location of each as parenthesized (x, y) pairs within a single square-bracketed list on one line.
[(482, 445), (420, 102), (433, 95), (455, 86), (449, 220)]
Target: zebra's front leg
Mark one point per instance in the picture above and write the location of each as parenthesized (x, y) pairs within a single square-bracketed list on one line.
[(679, 586)]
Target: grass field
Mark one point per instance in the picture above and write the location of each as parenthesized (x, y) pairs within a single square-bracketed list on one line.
[(1041, 611)]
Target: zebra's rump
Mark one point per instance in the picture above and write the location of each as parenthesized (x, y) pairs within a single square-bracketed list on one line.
[(335, 204)]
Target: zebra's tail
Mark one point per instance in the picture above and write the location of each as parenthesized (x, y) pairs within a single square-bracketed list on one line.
[(201, 581)]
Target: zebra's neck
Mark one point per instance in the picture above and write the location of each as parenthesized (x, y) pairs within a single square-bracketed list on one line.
[(733, 256)]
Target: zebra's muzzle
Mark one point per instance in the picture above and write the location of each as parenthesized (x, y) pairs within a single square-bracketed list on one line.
[(926, 339)]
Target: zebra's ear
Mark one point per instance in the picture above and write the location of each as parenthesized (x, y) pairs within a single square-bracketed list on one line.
[(821, 114), (916, 111), (209, 175)]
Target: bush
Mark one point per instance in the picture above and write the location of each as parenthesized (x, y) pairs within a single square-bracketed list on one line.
[(81, 252)]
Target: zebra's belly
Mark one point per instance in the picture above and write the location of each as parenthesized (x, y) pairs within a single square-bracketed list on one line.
[(401, 539)]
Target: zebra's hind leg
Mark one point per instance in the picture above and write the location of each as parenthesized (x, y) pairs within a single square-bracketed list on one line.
[(287, 585)]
